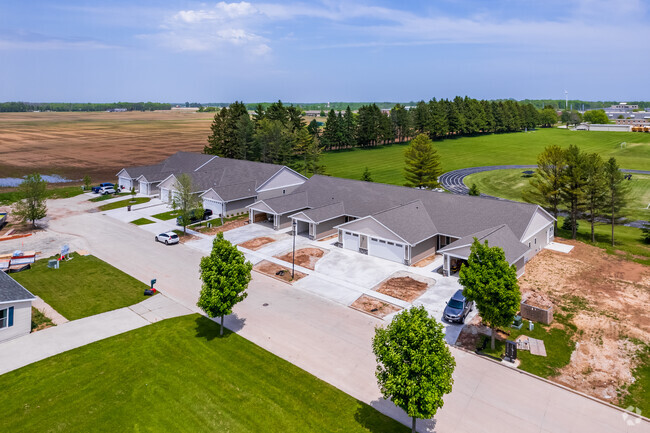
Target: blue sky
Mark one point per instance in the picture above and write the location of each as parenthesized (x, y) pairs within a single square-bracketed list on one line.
[(176, 51)]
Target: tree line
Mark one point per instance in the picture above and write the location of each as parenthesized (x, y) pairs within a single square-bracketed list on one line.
[(21, 107), (437, 118), (276, 134), (582, 183)]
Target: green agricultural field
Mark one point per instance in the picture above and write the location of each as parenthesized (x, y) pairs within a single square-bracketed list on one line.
[(510, 183), (178, 375), (386, 163), (82, 287)]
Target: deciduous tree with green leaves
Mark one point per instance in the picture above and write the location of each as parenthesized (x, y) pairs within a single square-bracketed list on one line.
[(32, 206), (422, 163), (414, 364), (546, 183), (185, 200), (225, 274), (87, 182), (491, 283), (617, 190)]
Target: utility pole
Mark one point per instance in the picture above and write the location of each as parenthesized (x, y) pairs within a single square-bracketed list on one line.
[(293, 256)]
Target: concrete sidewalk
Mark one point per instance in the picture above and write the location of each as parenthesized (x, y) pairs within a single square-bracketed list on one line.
[(48, 342)]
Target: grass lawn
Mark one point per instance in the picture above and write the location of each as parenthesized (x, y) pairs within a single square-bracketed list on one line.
[(124, 203), (13, 195), (639, 392), (386, 163), (82, 287), (142, 221), (165, 216), (510, 184), (178, 375), (108, 196), (558, 343)]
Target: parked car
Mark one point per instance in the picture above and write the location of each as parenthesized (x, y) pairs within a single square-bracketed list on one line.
[(106, 190), (95, 189), (194, 216), (168, 238), (457, 308)]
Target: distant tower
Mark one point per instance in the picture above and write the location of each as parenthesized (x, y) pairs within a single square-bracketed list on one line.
[(328, 105), (566, 100)]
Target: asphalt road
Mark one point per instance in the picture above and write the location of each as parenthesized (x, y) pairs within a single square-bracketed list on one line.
[(333, 342), (452, 181)]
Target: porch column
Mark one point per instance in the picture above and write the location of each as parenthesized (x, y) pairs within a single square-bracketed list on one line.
[(251, 216)]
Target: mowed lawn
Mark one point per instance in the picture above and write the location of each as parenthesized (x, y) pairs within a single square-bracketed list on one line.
[(82, 287), (386, 163), (178, 375), (510, 183)]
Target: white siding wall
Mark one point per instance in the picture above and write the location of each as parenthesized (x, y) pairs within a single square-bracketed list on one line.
[(22, 320), (125, 182)]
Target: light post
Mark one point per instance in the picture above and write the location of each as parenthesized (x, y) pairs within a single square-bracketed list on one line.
[(293, 256)]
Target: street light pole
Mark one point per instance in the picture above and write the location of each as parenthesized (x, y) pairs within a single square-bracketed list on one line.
[(293, 257)]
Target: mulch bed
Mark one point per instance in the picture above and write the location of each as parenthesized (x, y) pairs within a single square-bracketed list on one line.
[(426, 261), (271, 269), (374, 307), (229, 225), (257, 243), (305, 257), (404, 288)]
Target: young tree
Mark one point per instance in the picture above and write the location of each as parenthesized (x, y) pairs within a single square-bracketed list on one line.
[(366, 176), (87, 182), (547, 181), (184, 199), (414, 364), (617, 190), (574, 180), (32, 206), (491, 283), (473, 190), (645, 233), (225, 274), (132, 193), (595, 189), (422, 163)]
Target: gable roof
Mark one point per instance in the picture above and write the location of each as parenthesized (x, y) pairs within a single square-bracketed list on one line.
[(410, 221), (323, 213), (284, 203), (370, 226), (12, 291), (499, 236)]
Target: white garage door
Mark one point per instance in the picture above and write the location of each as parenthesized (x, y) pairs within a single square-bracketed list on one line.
[(350, 241), (164, 194), (144, 188), (386, 250), (125, 182), (214, 205)]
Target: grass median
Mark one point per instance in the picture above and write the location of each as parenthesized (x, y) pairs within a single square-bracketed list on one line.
[(178, 375), (124, 203)]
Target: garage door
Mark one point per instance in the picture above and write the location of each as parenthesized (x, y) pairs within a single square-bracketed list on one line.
[(386, 250), (213, 205), (144, 188), (351, 241), (125, 182), (164, 194)]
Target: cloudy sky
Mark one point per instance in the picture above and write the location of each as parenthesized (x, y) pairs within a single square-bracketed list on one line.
[(176, 51)]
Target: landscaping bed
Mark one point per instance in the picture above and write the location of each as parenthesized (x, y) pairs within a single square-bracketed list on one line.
[(605, 299), (140, 381), (40, 320), (405, 286), (184, 237), (217, 227), (374, 307), (426, 261), (305, 257), (256, 243), (271, 269), (81, 287)]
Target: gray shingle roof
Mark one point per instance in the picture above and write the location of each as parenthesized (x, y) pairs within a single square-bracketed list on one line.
[(500, 236), (286, 203), (10, 290), (410, 221), (324, 213)]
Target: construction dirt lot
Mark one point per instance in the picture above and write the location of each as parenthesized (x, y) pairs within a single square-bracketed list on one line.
[(272, 269), (374, 307), (257, 243), (405, 286), (96, 143), (305, 257), (607, 299)]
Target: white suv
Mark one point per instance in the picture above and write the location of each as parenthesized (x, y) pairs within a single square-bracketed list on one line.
[(106, 190)]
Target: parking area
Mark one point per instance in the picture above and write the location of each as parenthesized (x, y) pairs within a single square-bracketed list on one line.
[(340, 275)]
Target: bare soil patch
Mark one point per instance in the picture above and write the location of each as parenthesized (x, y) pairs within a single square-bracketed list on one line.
[(607, 298), (229, 225), (257, 243), (305, 257), (182, 238), (329, 238), (271, 269), (68, 143), (374, 307), (426, 261), (405, 286)]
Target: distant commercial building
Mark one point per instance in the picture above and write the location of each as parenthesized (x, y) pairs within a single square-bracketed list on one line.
[(603, 127)]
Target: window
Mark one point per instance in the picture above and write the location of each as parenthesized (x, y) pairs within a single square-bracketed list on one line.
[(535, 241), (6, 317), (390, 243), (284, 191), (528, 244)]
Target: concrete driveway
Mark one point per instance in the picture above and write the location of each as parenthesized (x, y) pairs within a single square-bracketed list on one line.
[(334, 343)]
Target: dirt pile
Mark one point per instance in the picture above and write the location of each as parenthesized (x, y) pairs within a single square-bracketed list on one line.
[(404, 287), (257, 243), (305, 257), (374, 307), (278, 272)]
